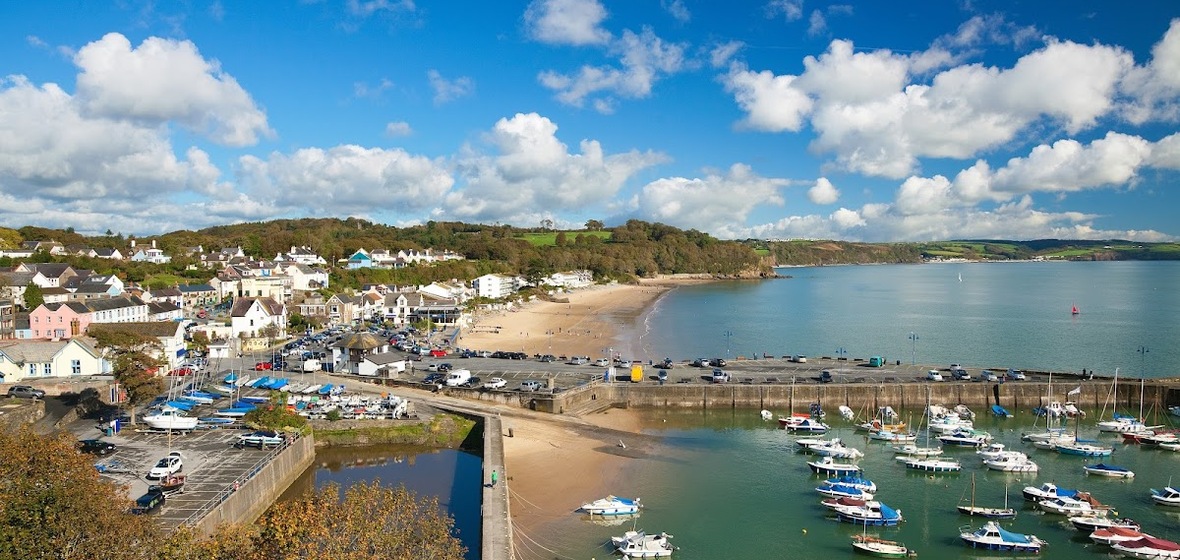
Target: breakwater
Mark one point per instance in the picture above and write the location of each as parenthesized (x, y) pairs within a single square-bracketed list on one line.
[(1017, 397)]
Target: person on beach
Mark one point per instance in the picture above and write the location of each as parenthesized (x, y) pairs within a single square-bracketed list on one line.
[(494, 478)]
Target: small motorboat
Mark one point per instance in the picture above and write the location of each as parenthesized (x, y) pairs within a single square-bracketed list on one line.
[(803, 424), (170, 419), (260, 439), (855, 482), (808, 443), (881, 548), (893, 437), (846, 413), (169, 485), (1000, 411), (1111, 535), (992, 451), (1047, 491), (833, 503), (636, 544), (836, 449), (1012, 461), (1080, 506), (932, 465), (993, 537), (1148, 547), (1108, 470), (1084, 448), (843, 491), (825, 465), (1169, 496), (611, 505), (873, 513), (1090, 523), (912, 450), (965, 438)]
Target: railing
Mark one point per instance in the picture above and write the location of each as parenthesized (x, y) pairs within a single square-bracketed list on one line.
[(224, 495)]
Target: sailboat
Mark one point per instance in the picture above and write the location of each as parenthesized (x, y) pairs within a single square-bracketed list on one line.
[(1074, 310), (989, 512)]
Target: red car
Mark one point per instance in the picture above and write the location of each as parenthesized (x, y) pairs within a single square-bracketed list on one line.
[(181, 371), (263, 366), (436, 353)]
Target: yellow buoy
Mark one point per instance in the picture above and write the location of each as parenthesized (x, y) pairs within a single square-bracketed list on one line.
[(805, 531)]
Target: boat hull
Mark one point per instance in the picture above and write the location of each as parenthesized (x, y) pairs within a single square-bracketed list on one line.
[(1002, 546), (990, 513)]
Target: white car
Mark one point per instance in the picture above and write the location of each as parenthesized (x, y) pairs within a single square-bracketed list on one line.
[(933, 375), (988, 376), (496, 383), (602, 362), (171, 464), (1015, 375)]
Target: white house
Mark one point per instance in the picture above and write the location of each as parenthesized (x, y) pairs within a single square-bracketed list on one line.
[(29, 360), (387, 364), (169, 334), (570, 280), (250, 315), (302, 255), (495, 286)]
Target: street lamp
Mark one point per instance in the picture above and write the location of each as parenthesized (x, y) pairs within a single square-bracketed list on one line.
[(728, 335), (840, 352), (913, 348), (1143, 361)]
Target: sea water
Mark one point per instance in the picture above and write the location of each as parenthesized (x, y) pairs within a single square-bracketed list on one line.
[(998, 315), (730, 485)]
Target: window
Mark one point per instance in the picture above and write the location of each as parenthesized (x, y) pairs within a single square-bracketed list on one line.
[(32, 369), (76, 367), (48, 369)]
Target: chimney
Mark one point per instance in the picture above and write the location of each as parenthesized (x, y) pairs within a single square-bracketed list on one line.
[(153, 244), (132, 243)]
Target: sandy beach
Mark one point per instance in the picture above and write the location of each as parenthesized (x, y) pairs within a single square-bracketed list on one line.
[(593, 320)]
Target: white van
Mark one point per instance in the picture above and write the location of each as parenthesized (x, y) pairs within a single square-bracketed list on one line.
[(799, 359), (311, 365), (458, 377)]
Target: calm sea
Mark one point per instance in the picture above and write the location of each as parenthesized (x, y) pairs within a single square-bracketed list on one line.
[(729, 485), (979, 315)]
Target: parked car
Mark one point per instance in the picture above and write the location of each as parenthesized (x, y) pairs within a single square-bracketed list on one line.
[(530, 385), (961, 374), (799, 359), (149, 502), (96, 446), (579, 361), (473, 381), (548, 358), (987, 375), (181, 371), (496, 383), (25, 392), (171, 464), (433, 379), (700, 362), (825, 376), (436, 353), (933, 375), (602, 362), (263, 366), (719, 376), (717, 362), (1014, 375)]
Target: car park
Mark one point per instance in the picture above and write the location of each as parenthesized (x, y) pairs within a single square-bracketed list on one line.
[(96, 447), (933, 375), (25, 392), (530, 385), (171, 464), (496, 383)]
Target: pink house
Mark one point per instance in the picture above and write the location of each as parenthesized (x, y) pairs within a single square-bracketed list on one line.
[(59, 320)]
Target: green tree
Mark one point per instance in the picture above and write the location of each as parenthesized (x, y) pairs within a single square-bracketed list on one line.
[(594, 225), (53, 504), (134, 364), (34, 297)]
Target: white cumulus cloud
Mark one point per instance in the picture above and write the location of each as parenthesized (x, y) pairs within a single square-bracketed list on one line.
[(823, 192), (166, 80), (717, 203), (398, 128), (449, 90), (567, 22), (643, 59)]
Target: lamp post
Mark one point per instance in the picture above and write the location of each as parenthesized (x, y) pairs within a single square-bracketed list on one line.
[(1143, 350), (728, 335), (913, 348), (840, 352)]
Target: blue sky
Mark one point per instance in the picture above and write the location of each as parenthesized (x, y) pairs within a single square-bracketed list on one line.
[(770, 119)]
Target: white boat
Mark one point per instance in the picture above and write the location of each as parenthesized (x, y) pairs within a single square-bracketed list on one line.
[(1112, 535), (1169, 496), (612, 505), (1012, 461), (637, 544), (1170, 446), (843, 491), (964, 412), (932, 465), (825, 465), (948, 424), (912, 450), (846, 413), (993, 537), (880, 548), (836, 449), (991, 451), (1091, 523), (803, 424), (893, 437), (170, 419), (808, 443), (311, 389), (855, 482), (1051, 443), (1047, 491), (872, 513), (1073, 507), (1148, 547), (965, 438), (1108, 470)]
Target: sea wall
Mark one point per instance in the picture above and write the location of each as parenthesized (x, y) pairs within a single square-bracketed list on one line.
[(259, 489), (1014, 396)]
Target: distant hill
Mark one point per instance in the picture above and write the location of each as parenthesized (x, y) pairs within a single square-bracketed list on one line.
[(824, 252)]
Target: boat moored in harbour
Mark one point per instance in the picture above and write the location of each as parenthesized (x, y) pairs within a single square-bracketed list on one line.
[(993, 537), (612, 505)]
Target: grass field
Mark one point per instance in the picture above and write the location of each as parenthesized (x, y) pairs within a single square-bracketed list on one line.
[(549, 238)]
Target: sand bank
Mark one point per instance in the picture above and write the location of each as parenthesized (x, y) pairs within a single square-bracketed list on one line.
[(591, 321)]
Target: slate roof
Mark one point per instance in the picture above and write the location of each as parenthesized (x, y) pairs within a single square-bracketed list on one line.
[(112, 303), (77, 306), (384, 358), (158, 307), (39, 351), (190, 288), (144, 328), (242, 305), (16, 278)]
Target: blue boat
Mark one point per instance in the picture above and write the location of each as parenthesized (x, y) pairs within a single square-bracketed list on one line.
[(1108, 470), (1084, 448), (216, 420), (278, 383), (254, 400), (260, 382), (993, 537), (326, 389), (855, 482), (243, 404), (843, 491), (230, 377), (234, 411), (181, 405), (874, 514), (1001, 411)]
